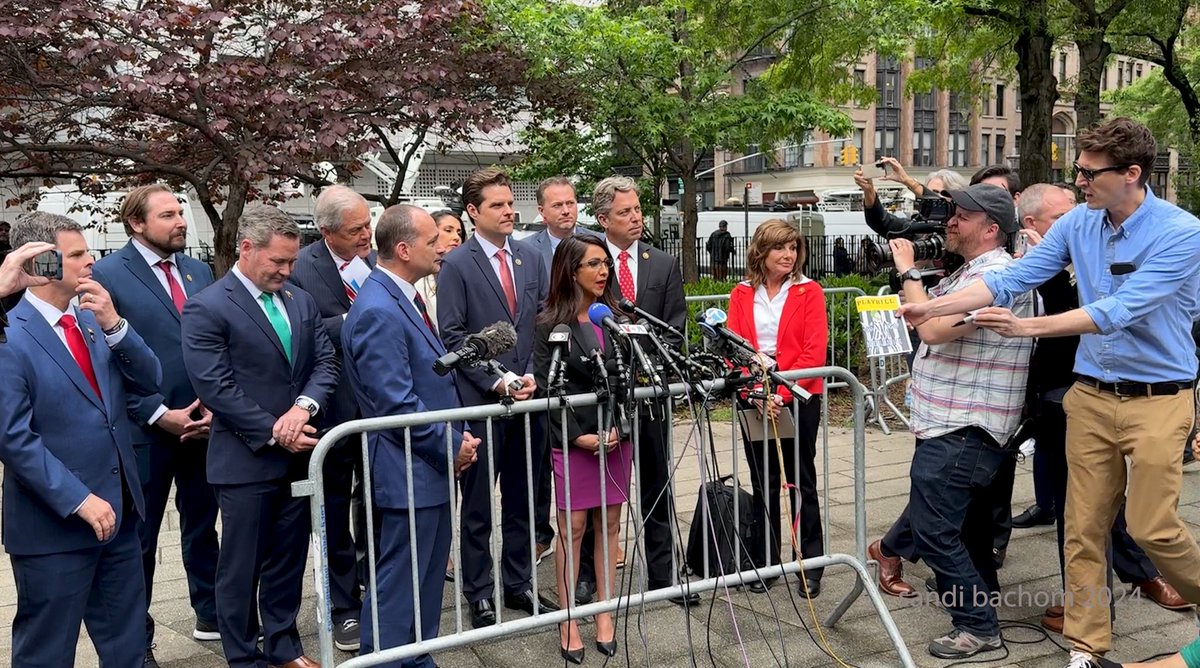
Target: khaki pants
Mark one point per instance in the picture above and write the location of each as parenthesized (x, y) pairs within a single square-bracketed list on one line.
[(1102, 430)]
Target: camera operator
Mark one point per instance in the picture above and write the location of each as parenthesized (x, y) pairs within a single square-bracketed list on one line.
[(888, 224), (968, 391)]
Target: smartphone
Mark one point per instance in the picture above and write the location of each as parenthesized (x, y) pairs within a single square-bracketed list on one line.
[(875, 170), (48, 265), (1020, 245)]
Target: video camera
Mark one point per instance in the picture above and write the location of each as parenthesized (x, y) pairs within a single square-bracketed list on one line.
[(929, 221)]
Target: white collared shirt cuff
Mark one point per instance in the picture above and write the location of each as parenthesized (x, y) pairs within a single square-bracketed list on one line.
[(157, 414), (114, 339)]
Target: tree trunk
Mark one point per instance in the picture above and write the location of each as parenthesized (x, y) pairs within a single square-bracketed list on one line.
[(1093, 55), (1039, 92), (225, 228), (687, 171)]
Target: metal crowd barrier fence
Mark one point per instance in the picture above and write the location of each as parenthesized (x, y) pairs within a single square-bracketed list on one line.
[(885, 373), (843, 333), (456, 636)]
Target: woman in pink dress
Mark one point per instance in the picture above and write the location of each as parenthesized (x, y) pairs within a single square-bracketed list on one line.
[(580, 276)]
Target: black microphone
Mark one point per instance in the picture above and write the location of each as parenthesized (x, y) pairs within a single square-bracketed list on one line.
[(638, 352), (630, 307), (491, 341), (560, 340), (712, 325)]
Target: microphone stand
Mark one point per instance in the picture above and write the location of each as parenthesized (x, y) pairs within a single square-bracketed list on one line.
[(500, 371)]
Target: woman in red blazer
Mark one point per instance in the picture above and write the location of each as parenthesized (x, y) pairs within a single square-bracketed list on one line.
[(782, 313)]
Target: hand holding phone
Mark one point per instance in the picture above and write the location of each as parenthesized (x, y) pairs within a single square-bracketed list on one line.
[(48, 265), (13, 274)]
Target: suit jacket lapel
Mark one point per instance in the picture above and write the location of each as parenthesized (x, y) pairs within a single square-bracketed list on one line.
[(47, 338), (250, 306), (644, 268), (790, 308), (409, 309), (98, 349), (295, 319), (144, 273), (485, 268), (186, 267), (329, 272), (523, 267)]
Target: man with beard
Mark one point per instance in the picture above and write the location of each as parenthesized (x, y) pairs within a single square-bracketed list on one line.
[(149, 280), (968, 391)]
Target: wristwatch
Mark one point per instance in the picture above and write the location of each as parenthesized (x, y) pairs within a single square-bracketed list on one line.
[(307, 404), (913, 274)]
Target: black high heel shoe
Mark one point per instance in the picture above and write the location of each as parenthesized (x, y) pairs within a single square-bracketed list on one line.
[(607, 648), (574, 656)]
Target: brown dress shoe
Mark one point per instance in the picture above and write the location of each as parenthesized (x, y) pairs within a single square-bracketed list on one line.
[(891, 573), (1162, 593), (1053, 619), (299, 662)]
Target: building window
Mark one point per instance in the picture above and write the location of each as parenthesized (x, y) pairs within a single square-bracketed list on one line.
[(987, 101), (924, 123), (985, 146), (860, 75), (1120, 74), (1017, 145), (758, 163), (887, 111), (1000, 100), (1000, 148), (1129, 73), (959, 133), (1139, 70), (1062, 66), (1104, 79), (791, 157)]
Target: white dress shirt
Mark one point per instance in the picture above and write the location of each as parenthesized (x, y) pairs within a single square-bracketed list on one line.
[(768, 311), (52, 315), (408, 289), (153, 259), (633, 262), (491, 250)]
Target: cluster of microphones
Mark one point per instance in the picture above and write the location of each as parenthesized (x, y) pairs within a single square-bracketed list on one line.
[(724, 353)]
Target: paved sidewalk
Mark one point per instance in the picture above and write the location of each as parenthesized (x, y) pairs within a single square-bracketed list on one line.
[(742, 629)]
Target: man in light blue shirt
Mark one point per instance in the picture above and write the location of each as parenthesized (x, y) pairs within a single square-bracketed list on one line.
[(1136, 259)]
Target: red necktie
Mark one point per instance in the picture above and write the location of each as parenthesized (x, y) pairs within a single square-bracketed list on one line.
[(625, 277), (350, 291), (506, 282), (424, 312), (173, 286), (79, 351)]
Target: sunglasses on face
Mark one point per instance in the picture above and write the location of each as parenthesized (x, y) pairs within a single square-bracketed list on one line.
[(596, 263), (1090, 174)]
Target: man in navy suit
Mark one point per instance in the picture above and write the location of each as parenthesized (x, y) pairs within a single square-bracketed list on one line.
[(560, 212), (260, 360), (490, 279), (327, 270), (390, 347), (149, 281), (72, 497)]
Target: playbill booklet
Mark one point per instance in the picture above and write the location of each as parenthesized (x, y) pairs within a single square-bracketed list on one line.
[(884, 331)]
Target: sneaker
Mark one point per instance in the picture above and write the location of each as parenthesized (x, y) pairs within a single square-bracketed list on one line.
[(206, 631), (1082, 660), (961, 644), (346, 636), (151, 662), (543, 550)]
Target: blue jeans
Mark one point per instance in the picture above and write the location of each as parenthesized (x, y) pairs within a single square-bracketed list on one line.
[(950, 475)]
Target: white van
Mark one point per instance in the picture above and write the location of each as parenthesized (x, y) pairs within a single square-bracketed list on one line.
[(99, 216)]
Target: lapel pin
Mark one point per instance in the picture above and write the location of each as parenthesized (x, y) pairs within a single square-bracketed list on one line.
[(645, 256), (188, 277), (288, 293), (517, 261), (92, 334)]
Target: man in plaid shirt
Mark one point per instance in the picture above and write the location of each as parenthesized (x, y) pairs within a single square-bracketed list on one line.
[(968, 391)]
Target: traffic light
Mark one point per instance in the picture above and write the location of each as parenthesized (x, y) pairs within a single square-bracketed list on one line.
[(1053, 151), (849, 155)]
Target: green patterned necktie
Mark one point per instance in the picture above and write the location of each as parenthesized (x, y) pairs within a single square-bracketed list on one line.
[(280, 325)]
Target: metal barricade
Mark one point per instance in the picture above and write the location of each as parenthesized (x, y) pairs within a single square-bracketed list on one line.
[(457, 636), (886, 372)]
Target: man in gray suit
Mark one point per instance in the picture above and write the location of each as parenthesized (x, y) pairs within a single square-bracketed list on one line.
[(560, 211)]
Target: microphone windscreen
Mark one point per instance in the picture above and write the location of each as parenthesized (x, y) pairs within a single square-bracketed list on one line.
[(500, 338), (598, 312), (714, 317)]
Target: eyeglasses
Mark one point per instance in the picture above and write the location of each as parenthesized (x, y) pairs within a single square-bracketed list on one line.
[(596, 263), (1090, 174)]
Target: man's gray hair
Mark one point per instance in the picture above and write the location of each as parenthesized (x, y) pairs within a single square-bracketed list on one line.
[(332, 203), (260, 223), (950, 178), (1032, 199), (606, 191), (40, 226), (395, 225)]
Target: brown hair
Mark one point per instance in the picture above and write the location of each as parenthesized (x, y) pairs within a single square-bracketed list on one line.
[(565, 296), (773, 234), (472, 190), (1125, 142), (136, 201), (550, 183)]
